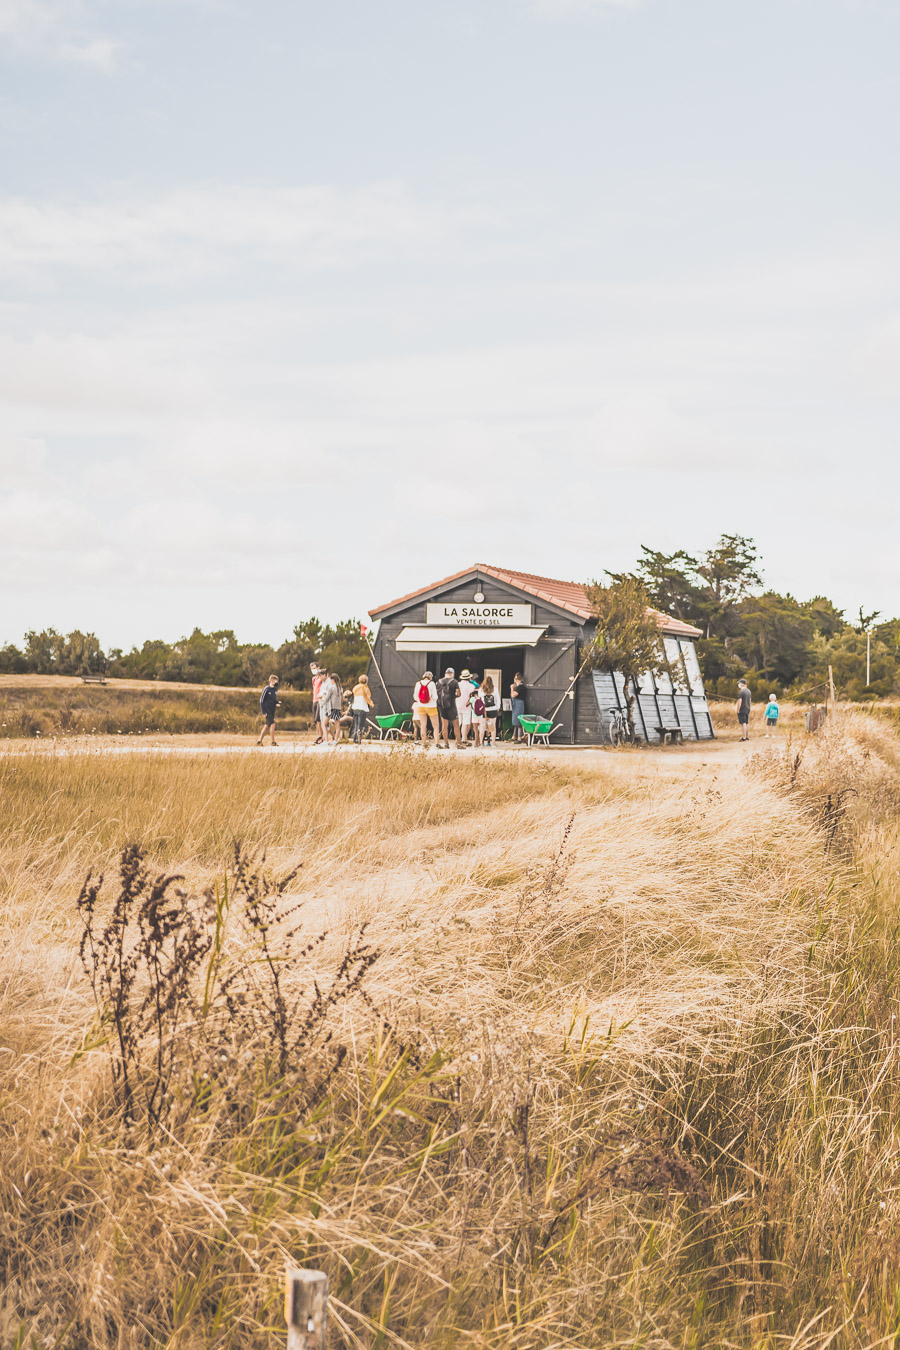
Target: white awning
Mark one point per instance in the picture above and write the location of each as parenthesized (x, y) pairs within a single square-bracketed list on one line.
[(423, 638)]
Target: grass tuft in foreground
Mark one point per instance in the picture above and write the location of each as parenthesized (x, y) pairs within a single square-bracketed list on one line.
[(624, 1071)]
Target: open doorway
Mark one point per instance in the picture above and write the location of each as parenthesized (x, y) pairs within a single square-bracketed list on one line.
[(509, 661), (502, 662)]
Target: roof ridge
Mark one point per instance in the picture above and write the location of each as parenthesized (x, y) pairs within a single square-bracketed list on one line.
[(521, 580)]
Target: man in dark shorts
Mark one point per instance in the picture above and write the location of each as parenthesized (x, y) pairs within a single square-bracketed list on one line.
[(268, 702), (447, 694), (743, 709)]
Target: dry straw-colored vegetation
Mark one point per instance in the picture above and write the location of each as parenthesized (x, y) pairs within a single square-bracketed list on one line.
[(33, 706), (618, 1066)]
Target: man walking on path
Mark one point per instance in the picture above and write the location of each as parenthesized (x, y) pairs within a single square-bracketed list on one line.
[(743, 709), (268, 701)]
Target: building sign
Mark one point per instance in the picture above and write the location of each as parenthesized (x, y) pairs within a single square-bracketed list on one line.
[(478, 616)]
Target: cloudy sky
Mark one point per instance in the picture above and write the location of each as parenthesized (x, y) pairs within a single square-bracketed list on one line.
[(303, 305)]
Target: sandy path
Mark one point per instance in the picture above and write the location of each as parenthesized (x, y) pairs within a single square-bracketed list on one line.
[(668, 761)]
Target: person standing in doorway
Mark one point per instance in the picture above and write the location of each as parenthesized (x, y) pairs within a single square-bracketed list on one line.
[(517, 706), (447, 694), (362, 702), (772, 714), (268, 702), (743, 709)]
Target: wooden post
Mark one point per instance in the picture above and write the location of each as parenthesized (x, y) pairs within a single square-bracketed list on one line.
[(371, 647), (831, 687), (306, 1309)]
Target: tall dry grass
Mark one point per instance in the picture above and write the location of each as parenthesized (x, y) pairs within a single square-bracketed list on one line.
[(33, 707), (624, 1071)]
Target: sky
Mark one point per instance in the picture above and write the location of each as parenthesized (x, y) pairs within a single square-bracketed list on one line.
[(303, 306)]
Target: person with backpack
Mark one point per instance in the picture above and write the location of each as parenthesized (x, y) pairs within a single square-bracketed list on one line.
[(447, 690), (479, 720), (425, 709), (268, 702), (491, 702), (772, 714), (362, 702)]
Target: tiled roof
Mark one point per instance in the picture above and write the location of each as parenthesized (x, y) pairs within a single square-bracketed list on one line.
[(568, 595), (564, 594), (669, 624)]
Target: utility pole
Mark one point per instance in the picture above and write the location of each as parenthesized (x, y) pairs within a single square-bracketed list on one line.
[(868, 657), (865, 626)]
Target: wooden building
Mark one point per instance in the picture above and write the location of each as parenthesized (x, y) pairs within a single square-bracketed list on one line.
[(490, 620)]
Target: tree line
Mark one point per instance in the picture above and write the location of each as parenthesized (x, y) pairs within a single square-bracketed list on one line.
[(749, 630), (768, 637), (201, 658)]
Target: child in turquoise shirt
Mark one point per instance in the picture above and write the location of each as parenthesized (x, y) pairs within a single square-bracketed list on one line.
[(772, 712)]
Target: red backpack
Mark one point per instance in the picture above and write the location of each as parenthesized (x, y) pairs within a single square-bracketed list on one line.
[(424, 695)]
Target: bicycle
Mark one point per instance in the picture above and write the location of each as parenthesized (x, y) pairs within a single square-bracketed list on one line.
[(620, 733)]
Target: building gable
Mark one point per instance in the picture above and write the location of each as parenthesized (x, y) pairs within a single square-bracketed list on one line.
[(563, 598)]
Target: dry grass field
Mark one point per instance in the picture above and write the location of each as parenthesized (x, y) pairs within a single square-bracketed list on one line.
[(541, 1052), (60, 706)]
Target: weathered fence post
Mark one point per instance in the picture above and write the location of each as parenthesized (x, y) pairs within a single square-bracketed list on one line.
[(306, 1309)]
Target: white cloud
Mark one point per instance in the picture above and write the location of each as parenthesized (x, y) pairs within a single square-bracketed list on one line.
[(579, 9), (57, 30), (32, 522), (22, 462), (195, 229)]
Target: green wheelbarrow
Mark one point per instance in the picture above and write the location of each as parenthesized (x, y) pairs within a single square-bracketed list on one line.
[(393, 726), (538, 728)]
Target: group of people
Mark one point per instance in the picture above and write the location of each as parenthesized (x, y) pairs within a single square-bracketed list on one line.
[(468, 710), (328, 706), (465, 707), (772, 712)]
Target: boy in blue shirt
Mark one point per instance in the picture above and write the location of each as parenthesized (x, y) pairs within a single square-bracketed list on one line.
[(772, 711)]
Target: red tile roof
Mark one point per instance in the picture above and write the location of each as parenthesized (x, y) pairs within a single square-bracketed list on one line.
[(568, 595)]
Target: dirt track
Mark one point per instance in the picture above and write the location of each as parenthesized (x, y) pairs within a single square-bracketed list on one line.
[(656, 759)]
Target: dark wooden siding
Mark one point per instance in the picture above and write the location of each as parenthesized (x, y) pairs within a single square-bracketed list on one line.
[(548, 668), (589, 725)]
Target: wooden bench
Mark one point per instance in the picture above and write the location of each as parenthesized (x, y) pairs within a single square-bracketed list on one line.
[(93, 679), (674, 735)]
